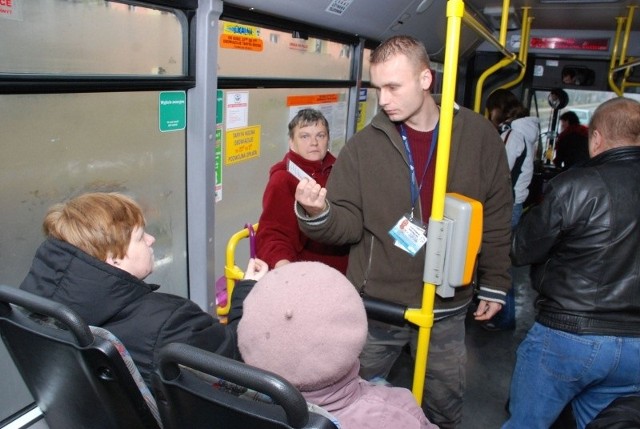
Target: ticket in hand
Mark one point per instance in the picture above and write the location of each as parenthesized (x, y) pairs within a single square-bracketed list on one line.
[(296, 171)]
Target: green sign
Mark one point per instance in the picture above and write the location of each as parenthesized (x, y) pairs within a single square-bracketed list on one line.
[(172, 111), (219, 105)]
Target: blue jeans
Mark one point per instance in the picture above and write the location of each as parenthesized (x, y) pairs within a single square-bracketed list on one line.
[(554, 368)]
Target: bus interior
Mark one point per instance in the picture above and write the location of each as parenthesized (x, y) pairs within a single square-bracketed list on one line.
[(184, 105)]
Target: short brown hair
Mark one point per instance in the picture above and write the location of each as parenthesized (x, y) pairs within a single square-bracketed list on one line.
[(306, 117), (408, 46), (98, 223), (618, 121)]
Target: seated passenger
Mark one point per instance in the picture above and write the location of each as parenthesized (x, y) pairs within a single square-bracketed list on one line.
[(305, 322), (279, 240), (94, 260)]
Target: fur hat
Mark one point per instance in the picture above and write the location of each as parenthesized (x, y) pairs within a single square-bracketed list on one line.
[(305, 322)]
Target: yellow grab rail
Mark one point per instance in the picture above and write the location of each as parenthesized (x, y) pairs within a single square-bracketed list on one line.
[(622, 65), (509, 57), (231, 271)]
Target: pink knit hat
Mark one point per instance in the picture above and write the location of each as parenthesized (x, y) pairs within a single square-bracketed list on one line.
[(305, 322)]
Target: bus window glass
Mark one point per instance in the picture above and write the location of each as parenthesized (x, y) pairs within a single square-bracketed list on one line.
[(77, 37), (582, 102), (250, 51), (366, 64)]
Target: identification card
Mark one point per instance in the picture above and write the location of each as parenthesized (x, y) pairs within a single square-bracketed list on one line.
[(296, 171), (409, 233)]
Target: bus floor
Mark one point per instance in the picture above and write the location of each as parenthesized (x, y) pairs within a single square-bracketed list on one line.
[(490, 361)]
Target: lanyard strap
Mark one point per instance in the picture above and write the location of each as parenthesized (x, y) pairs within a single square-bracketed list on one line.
[(415, 187)]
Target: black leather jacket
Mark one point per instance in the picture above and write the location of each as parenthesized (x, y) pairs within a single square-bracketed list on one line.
[(583, 242)]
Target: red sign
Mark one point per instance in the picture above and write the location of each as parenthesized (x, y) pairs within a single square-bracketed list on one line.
[(567, 43)]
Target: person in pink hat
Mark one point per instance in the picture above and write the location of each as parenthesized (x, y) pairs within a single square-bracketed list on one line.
[(305, 322)]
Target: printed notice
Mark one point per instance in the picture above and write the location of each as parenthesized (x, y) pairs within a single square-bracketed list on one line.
[(11, 9), (237, 110), (242, 144)]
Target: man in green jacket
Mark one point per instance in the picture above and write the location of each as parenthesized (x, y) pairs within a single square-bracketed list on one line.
[(383, 182)]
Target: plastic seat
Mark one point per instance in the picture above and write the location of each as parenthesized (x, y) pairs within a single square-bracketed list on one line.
[(77, 379), (203, 399)]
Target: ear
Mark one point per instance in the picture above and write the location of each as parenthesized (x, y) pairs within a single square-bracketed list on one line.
[(291, 144), (426, 78), (596, 144), (111, 260)]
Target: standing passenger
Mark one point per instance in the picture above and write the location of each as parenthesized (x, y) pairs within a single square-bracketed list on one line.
[(279, 240), (582, 243), (520, 135), (373, 188), (95, 259), (572, 145)]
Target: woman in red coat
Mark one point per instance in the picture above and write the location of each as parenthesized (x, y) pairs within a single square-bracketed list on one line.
[(279, 240)]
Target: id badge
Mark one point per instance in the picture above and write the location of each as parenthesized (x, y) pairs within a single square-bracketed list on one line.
[(409, 234)]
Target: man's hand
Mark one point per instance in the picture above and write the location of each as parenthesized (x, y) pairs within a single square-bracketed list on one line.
[(486, 310), (311, 196)]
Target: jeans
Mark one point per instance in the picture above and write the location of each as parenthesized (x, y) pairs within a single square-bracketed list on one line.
[(554, 368)]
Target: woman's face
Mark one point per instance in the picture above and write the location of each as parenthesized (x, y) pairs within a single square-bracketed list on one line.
[(139, 258), (310, 142)]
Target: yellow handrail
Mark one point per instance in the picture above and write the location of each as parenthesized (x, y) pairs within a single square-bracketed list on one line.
[(231, 271), (622, 65), (510, 57)]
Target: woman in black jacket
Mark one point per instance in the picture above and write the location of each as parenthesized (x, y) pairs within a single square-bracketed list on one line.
[(95, 259)]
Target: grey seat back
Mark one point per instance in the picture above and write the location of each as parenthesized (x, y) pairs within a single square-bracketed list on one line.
[(206, 398), (77, 379)]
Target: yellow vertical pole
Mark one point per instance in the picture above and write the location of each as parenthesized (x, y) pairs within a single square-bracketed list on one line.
[(424, 316), (614, 54)]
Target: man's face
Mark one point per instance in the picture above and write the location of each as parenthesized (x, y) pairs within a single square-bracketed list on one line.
[(139, 258), (400, 87), (310, 142)]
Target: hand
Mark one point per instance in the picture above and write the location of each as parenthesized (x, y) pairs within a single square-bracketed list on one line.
[(256, 269), (281, 262), (486, 310), (311, 196)]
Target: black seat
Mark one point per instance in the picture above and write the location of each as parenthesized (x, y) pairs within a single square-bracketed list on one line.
[(186, 398), (77, 379)]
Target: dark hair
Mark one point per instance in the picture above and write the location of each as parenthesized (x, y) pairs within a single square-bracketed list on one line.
[(306, 117), (508, 105), (570, 117)]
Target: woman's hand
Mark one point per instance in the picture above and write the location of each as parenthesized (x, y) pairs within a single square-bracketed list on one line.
[(256, 269)]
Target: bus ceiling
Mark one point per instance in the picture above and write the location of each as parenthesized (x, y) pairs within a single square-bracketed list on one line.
[(425, 19)]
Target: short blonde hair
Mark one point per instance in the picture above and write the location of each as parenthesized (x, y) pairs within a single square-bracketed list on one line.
[(408, 46), (98, 223), (618, 121)]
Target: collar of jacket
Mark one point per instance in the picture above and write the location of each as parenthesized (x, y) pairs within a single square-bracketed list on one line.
[(626, 153), (313, 168), (94, 289)]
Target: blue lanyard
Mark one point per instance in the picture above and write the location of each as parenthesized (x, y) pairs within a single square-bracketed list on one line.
[(415, 188)]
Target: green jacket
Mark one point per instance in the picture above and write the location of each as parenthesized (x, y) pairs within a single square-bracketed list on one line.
[(369, 190)]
